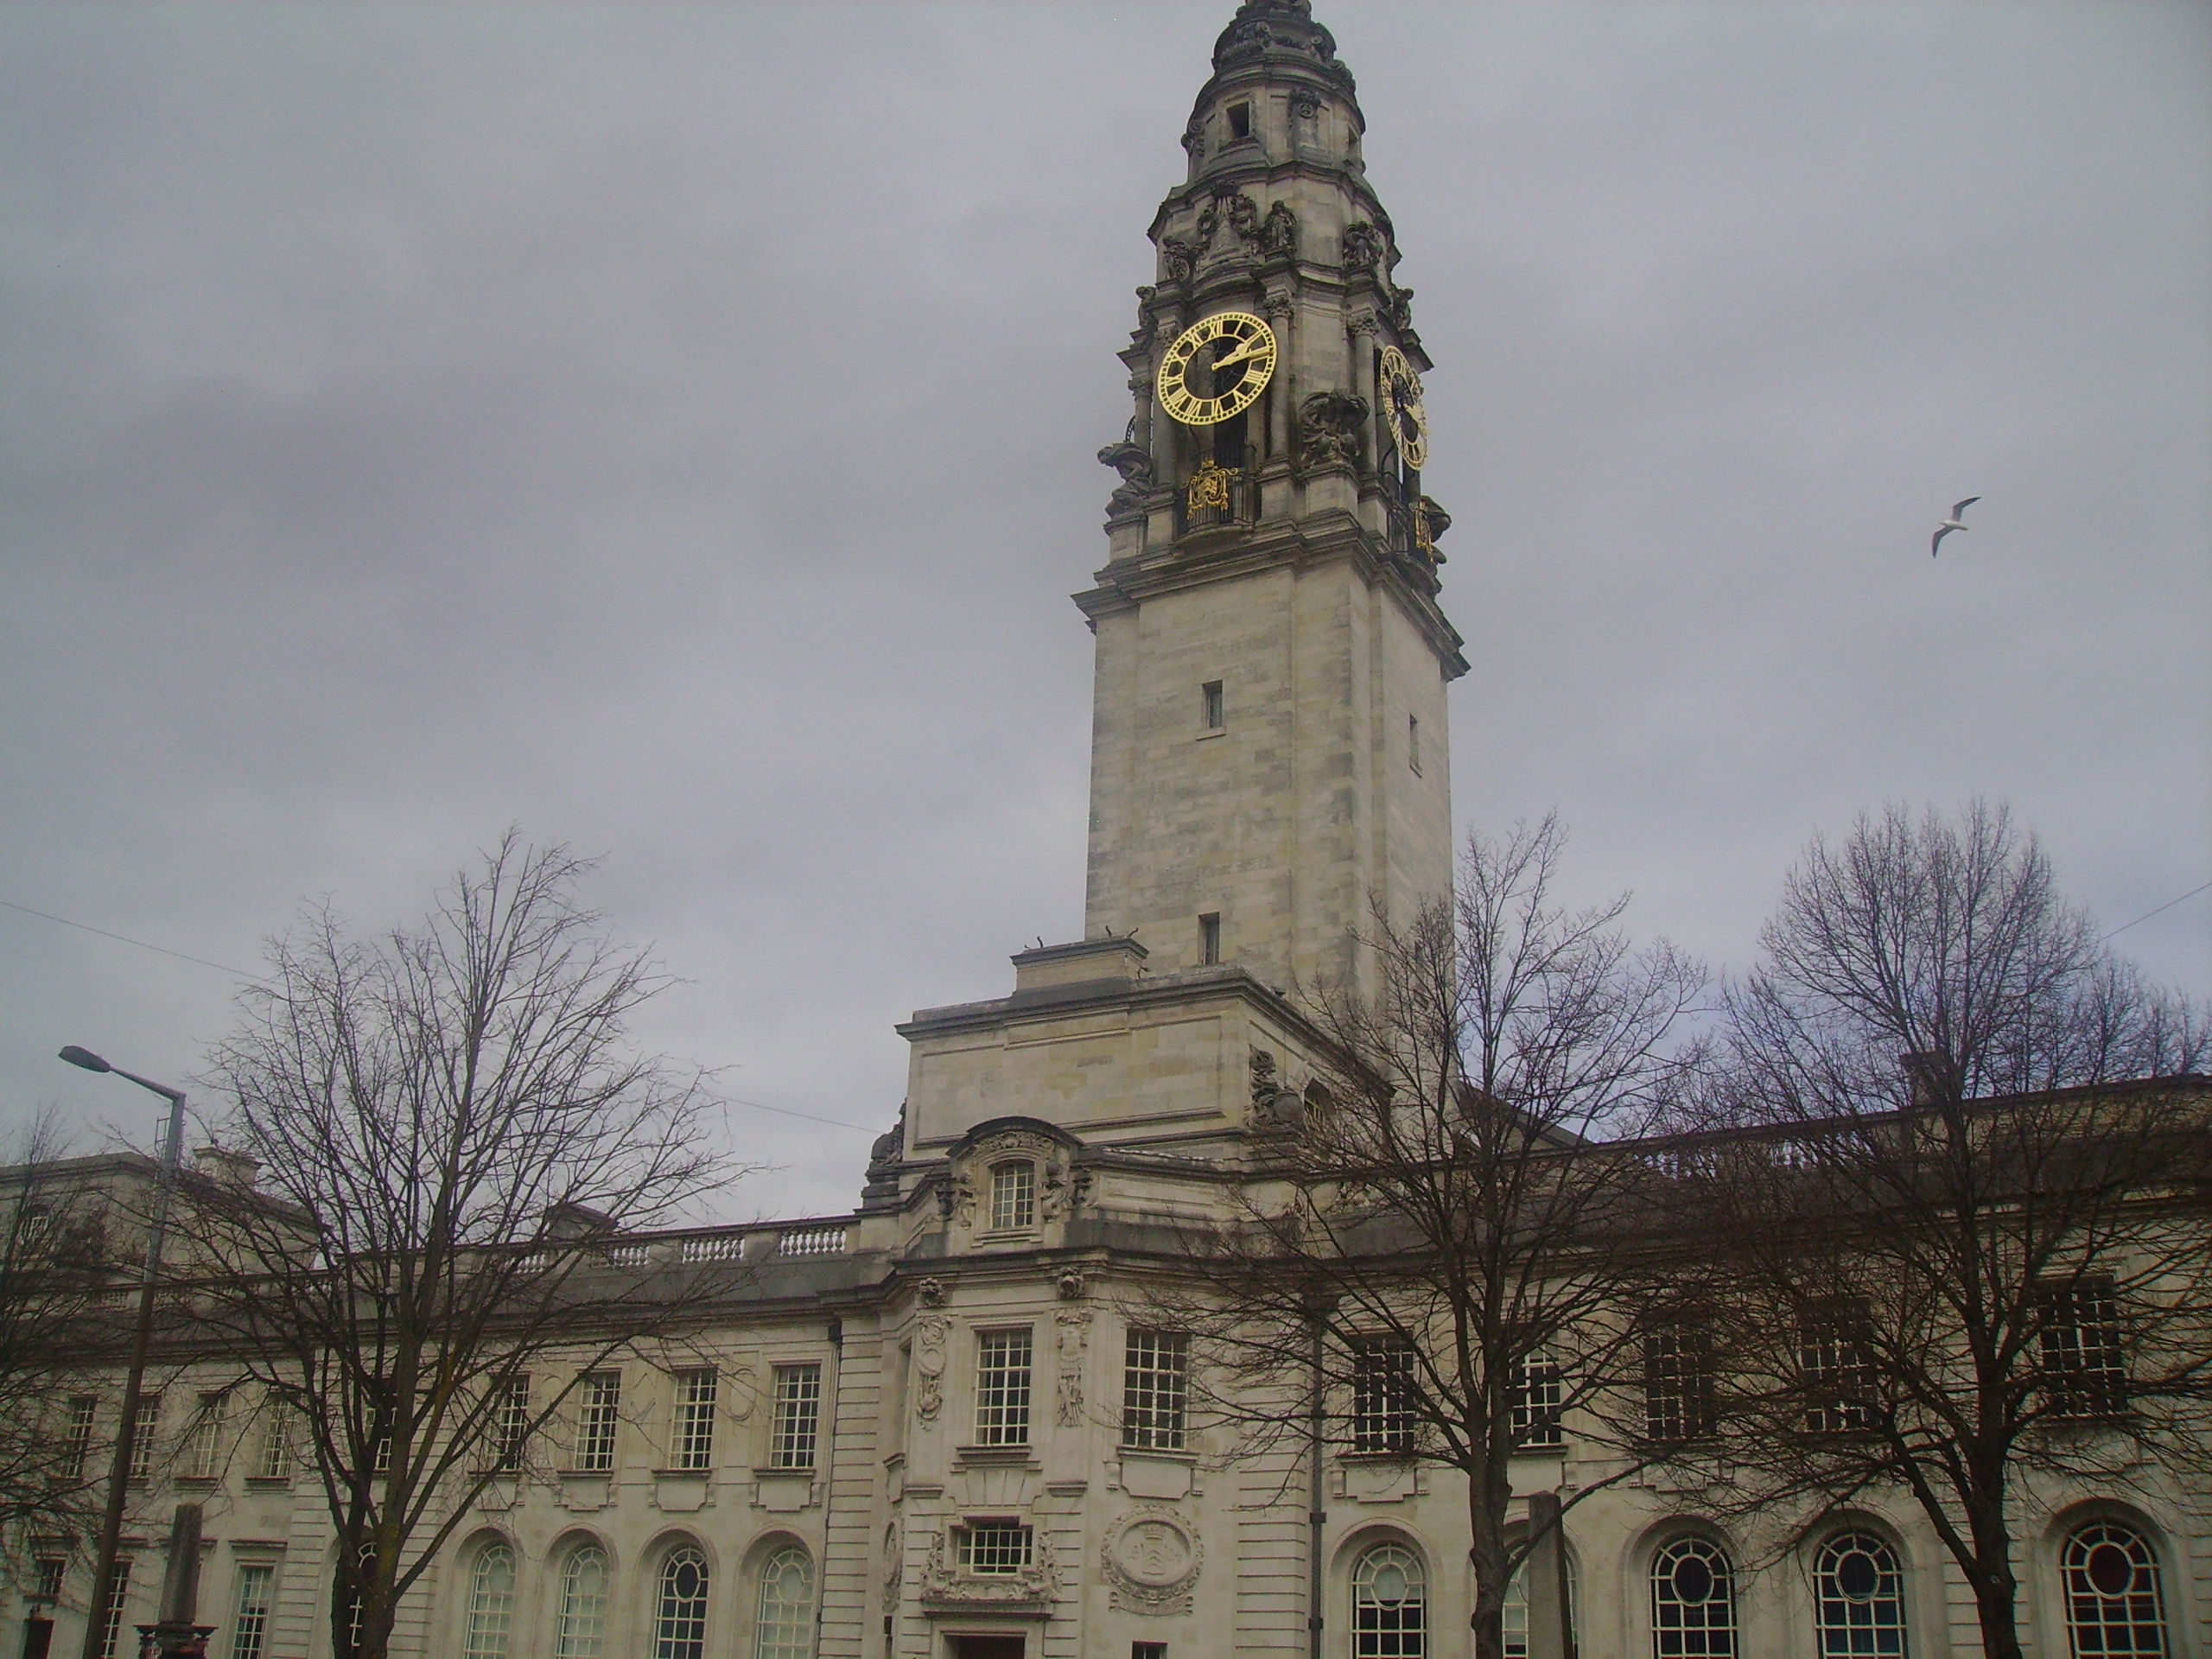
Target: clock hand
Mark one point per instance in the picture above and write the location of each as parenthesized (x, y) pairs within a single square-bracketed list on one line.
[(1252, 348)]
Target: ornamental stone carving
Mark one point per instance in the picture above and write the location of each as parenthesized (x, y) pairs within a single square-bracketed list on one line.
[(1362, 246), (1133, 463), (1152, 1559), (944, 1584), (1279, 232), (1178, 259), (1074, 1336), (930, 1332), (1329, 424)]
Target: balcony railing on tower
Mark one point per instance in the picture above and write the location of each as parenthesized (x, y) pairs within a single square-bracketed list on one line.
[(1217, 496)]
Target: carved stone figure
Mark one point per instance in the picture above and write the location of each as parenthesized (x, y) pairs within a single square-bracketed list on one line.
[(1244, 217), (932, 1291), (891, 1146), (1133, 463), (1177, 259), (1401, 309), (1264, 1080), (1279, 234), (1329, 425), (1305, 106), (1074, 1323), (1362, 246)]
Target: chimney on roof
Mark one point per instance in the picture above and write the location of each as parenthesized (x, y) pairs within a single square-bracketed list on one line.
[(230, 1168)]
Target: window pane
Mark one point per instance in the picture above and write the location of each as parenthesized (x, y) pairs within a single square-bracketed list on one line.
[(1539, 1388), (490, 1604), (111, 1625), (1002, 1388), (2115, 1605), (602, 1411), (784, 1626), (1382, 1390), (995, 1548), (250, 1611), (1013, 1195), (680, 1621), (1693, 1602), (1389, 1604), (580, 1631), (695, 1420), (510, 1429), (798, 1416), (2084, 1362), (1155, 1389), (1859, 1597), (1515, 1610)]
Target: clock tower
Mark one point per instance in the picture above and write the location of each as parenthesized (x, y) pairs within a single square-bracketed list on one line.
[(1269, 752), (1269, 757)]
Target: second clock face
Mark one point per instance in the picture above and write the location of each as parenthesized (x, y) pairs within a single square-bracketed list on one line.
[(1402, 407), (1218, 367)]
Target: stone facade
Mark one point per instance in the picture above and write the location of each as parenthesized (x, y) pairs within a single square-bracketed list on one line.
[(944, 1425)]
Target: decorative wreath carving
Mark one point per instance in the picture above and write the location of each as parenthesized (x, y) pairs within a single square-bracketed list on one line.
[(1152, 1557), (1040, 1582)]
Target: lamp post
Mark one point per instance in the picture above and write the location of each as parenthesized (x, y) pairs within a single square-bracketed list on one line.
[(141, 1338)]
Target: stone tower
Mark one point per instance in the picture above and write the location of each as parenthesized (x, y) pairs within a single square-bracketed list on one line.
[(1268, 749), (1269, 745)]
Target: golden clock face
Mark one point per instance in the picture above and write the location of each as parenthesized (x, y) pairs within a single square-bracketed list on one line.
[(1218, 367), (1402, 407)]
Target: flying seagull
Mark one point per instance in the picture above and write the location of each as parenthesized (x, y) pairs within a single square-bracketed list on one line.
[(1950, 524)]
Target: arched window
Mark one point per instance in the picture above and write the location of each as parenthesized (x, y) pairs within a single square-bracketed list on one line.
[(1859, 1597), (1517, 1607), (680, 1610), (1389, 1604), (580, 1626), (490, 1604), (2115, 1608), (785, 1628), (1693, 1602), (1013, 1195)]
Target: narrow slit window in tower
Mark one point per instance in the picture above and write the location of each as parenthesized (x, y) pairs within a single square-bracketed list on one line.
[(1413, 741), (1210, 939), (1240, 121), (1212, 710)]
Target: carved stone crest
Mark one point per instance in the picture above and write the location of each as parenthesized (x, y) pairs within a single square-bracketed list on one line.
[(1329, 425), (929, 1333), (1208, 487), (1178, 259), (1152, 1559)]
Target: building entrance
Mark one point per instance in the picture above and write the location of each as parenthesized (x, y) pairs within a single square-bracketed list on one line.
[(988, 1647)]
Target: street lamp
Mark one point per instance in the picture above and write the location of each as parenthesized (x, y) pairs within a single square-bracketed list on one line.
[(141, 1338)]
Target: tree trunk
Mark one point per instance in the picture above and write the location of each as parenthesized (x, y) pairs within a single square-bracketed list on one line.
[(1487, 1496), (1996, 1588)]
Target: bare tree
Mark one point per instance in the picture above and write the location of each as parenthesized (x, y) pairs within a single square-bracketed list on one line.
[(55, 1262), (1974, 1246), (1417, 1258), (451, 1130)]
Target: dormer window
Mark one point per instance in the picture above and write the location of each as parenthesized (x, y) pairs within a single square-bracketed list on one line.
[(1013, 1196), (1240, 122)]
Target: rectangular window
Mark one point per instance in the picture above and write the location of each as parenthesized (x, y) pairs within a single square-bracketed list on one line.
[(511, 1424), (203, 1438), (249, 1617), (1213, 714), (2084, 1362), (602, 1410), (112, 1621), (1383, 1396), (273, 1461), (695, 1420), (142, 1444), (1835, 1360), (1413, 741), (1539, 1391), (1013, 1196), (52, 1572), (1240, 121), (1155, 1389), (77, 1436), (1210, 939), (1147, 1650), (799, 1417), (1678, 1383), (995, 1548), (1002, 1359)]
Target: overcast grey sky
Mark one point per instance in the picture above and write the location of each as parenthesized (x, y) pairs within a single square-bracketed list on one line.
[(670, 429)]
